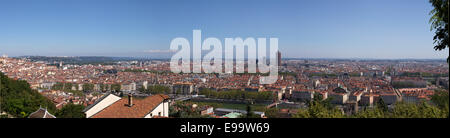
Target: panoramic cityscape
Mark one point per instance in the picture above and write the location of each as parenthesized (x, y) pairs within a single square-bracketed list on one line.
[(113, 59)]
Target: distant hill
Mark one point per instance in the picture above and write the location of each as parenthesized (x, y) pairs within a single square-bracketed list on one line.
[(19, 100), (84, 59)]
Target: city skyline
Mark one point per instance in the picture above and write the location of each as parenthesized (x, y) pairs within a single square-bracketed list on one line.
[(306, 29), (224, 67)]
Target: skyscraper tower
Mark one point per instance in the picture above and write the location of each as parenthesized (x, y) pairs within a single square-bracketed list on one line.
[(279, 58)]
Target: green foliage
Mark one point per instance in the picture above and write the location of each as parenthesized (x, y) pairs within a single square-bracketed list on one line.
[(63, 86), (178, 91), (235, 94), (184, 110), (422, 110), (423, 74), (71, 111), (405, 110), (287, 74), (19, 100), (439, 23), (440, 98), (75, 92), (271, 113), (318, 109), (102, 87), (88, 87), (67, 87), (381, 105), (250, 113), (370, 113), (401, 110), (116, 87), (256, 107), (156, 89), (322, 75)]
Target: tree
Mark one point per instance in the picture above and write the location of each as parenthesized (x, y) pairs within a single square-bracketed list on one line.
[(155, 89), (116, 87), (440, 98), (439, 23), (58, 86), (271, 113), (421, 110), (68, 86), (319, 109), (184, 110), (381, 105), (249, 112), (102, 87), (88, 87), (19, 100), (370, 113), (71, 111)]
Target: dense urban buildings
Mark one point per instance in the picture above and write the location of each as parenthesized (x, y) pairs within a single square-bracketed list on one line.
[(108, 89)]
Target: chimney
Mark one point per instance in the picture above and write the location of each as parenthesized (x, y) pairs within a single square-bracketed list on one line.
[(130, 100)]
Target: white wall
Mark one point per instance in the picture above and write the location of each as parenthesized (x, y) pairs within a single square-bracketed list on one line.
[(162, 107), (110, 99)]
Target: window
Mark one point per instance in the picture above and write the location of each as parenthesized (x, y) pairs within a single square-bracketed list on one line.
[(159, 113)]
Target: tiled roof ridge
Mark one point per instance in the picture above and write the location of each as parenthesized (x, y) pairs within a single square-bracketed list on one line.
[(159, 97)]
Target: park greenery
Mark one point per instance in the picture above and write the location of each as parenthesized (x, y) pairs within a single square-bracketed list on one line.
[(155, 89), (67, 87), (86, 87), (237, 94), (423, 74), (116, 87)]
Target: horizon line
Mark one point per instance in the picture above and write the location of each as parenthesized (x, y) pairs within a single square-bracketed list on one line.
[(286, 58)]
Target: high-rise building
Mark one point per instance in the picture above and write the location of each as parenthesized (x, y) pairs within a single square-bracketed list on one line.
[(279, 58)]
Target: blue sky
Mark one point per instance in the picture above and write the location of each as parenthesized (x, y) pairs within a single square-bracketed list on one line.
[(305, 28)]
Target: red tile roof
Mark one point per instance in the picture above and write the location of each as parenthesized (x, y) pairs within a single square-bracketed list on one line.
[(140, 108)]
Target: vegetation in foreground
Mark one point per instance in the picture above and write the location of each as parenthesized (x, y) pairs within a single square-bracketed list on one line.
[(18, 100), (438, 109)]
